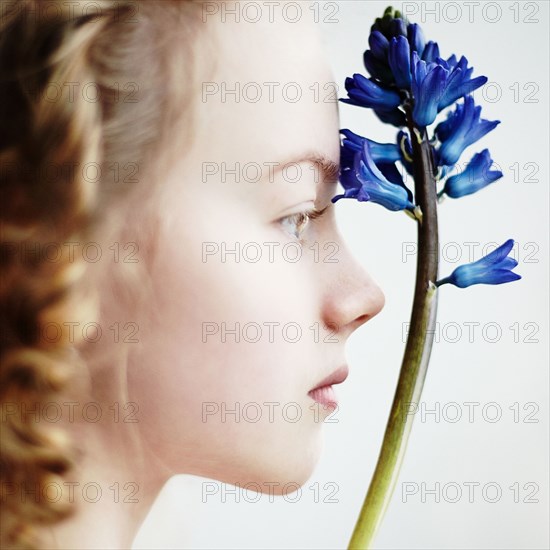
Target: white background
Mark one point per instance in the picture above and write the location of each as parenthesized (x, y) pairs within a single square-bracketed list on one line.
[(500, 43)]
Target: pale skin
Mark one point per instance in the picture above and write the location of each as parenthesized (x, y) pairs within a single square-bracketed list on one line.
[(181, 373)]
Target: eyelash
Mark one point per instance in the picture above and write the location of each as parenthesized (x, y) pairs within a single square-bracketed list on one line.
[(308, 215)]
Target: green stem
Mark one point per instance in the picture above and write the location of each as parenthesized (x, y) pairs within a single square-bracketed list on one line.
[(417, 349)]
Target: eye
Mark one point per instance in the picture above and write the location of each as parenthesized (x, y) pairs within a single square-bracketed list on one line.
[(298, 222), (295, 224)]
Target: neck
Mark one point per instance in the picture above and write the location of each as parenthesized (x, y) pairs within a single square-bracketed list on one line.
[(111, 490), (116, 478)]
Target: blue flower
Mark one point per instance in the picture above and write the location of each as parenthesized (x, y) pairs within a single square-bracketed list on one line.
[(458, 83), (379, 45), (476, 176), (399, 58), (387, 62), (389, 57), (431, 52), (384, 152), (365, 181), (493, 269), (416, 38), (462, 128), (365, 93), (398, 27), (376, 59), (428, 84), (437, 84)]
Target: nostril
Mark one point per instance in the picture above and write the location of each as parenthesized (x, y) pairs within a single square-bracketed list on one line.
[(362, 319)]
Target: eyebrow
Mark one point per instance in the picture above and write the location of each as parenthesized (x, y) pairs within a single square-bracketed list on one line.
[(330, 170)]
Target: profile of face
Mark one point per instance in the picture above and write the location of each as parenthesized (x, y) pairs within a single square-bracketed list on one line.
[(251, 305)]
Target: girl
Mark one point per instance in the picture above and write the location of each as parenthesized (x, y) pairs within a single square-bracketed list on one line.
[(170, 255)]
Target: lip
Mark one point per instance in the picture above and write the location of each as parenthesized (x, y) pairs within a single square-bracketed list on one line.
[(323, 392)]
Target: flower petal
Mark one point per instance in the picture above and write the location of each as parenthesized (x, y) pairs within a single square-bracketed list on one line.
[(399, 60)]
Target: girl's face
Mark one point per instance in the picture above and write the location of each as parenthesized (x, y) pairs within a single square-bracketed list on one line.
[(245, 318)]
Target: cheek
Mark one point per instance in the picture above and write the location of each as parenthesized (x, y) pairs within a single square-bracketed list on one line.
[(223, 336)]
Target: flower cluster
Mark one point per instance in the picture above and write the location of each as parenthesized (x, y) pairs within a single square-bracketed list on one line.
[(410, 84)]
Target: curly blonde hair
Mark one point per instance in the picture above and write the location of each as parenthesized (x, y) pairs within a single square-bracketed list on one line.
[(50, 52)]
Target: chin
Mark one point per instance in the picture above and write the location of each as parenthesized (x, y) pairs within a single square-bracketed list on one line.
[(278, 469)]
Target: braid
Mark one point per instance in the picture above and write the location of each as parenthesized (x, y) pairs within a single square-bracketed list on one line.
[(35, 291)]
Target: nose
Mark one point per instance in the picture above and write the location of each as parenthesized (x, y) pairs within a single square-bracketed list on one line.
[(351, 296)]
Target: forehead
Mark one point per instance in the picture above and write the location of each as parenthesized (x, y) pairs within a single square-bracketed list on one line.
[(267, 91)]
